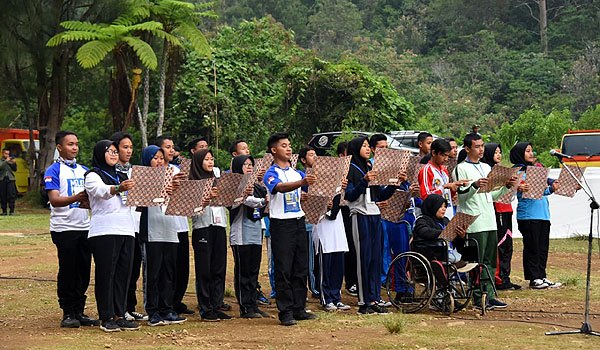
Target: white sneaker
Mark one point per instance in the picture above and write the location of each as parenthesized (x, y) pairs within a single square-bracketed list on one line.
[(342, 306), (383, 303), (538, 284), (135, 316), (330, 307), (552, 284)]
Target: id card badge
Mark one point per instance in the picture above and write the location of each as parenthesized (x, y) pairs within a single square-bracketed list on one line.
[(488, 197), (256, 213), (123, 197), (291, 202), (74, 186), (447, 197)]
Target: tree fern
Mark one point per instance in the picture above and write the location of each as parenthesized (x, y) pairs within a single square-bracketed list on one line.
[(143, 51), (81, 26), (74, 35), (195, 37), (93, 52)]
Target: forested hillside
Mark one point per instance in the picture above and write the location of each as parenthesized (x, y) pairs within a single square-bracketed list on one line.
[(519, 68)]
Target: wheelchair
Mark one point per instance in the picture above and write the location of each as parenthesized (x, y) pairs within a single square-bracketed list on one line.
[(412, 277)]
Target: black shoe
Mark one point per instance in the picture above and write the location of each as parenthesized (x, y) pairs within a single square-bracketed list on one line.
[(301, 316), (127, 325), (315, 295), (262, 313), (250, 314), (70, 321), (186, 311), (365, 310), (404, 297), (3, 213), (110, 326), (222, 316), (210, 316), (379, 309), (86, 321), (289, 321), (225, 307), (12, 213)]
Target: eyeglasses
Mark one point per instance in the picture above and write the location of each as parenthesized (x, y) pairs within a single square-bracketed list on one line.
[(248, 165), (112, 153)]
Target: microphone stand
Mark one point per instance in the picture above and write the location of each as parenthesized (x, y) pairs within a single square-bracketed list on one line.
[(586, 328)]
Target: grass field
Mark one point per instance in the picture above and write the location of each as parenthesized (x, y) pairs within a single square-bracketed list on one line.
[(29, 313)]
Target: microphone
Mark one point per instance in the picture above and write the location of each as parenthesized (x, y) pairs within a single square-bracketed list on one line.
[(556, 153)]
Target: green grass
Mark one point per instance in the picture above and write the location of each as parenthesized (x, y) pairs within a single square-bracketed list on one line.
[(566, 245), (26, 221)]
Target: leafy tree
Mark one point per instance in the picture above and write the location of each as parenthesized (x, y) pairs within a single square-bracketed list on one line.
[(543, 131)]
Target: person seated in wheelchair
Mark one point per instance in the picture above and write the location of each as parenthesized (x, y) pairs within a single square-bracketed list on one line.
[(428, 228)]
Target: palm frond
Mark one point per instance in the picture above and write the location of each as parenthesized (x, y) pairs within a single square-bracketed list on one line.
[(172, 39), (143, 50), (146, 26), (196, 38), (93, 52), (81, 26)]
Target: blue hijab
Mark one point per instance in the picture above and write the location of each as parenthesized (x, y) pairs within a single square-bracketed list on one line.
[(148, 153)]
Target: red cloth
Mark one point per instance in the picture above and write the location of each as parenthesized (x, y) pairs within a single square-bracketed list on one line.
[(503, 208)]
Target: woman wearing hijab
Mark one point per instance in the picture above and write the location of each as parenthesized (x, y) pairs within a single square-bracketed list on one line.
[(158, 234), (209, 240), (245, 238), (492, 155), (366, 224), (533, 219), (111, 236), (430, 225)]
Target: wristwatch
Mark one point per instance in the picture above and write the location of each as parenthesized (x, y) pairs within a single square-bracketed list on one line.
[(117, 188)]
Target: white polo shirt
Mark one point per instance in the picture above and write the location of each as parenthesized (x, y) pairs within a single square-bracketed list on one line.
[(67, 181), (283, 205)]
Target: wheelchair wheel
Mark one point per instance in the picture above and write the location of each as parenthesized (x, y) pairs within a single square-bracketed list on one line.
[(448, 304), (411, 273), (483, 303), (460, 290)]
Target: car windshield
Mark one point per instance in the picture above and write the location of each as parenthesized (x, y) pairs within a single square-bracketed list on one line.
[(581, 145)]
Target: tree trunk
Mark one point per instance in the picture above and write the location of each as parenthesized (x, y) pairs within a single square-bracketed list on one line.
[(143, 116), (161, 90), (55, 100), (543, 26)]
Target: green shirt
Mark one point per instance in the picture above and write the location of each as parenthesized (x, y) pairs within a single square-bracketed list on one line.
[(6, 169), (473, 203)]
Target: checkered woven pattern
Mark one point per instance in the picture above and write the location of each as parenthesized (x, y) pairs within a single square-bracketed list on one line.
[(294, 160), (227, 186), (261, 165), (315, 208), (330, 172), (459, 220), (187, 199), (412, 169), (507, 198), (497, 178), (168, 180), (246, 183), (450, 165), (396, 206), (537, 177), (185, 166), (388, 163), (148, 188), (567, 184)]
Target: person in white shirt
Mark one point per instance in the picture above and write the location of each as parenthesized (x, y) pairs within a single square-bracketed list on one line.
[(209, 240), (288, 232), (111, 236), (69, 225)]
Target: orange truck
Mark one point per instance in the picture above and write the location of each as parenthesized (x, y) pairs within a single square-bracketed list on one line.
[(17, 140), (583, 146)]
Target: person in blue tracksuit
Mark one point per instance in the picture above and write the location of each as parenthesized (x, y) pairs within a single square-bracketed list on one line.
[(366, 225)]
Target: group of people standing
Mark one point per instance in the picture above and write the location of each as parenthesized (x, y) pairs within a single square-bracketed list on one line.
[(351, 243)]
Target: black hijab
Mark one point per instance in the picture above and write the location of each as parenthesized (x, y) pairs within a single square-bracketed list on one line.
[(259, 191), (108, 174), (358, 162), (517, 155), (462, 155), (197, 172), (488, 153), (430, 206)]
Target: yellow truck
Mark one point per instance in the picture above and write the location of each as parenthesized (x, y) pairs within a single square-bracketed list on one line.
[(583, 146), (17, 140)]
